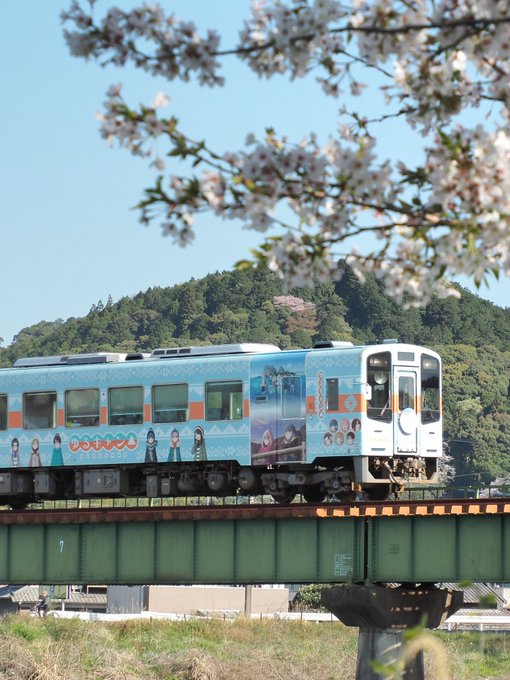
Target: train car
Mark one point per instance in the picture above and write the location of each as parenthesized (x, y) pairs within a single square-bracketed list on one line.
[(325, 422)]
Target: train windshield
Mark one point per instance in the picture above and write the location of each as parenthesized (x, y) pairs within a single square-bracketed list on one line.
[(430, 389), (378, 378)]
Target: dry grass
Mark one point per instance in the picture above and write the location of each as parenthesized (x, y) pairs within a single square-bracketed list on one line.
[(53, 649)]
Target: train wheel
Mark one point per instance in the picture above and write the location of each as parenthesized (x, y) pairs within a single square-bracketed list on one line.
[(284, 496), (378, 492), (348, 496), (249, 480), (314, 494), (217, 481), (19, 503)]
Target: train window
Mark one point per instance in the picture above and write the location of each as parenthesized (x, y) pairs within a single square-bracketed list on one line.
[(39, 410), (379, 380), (332, 394), (3, 411), (125, 405), (291, 397), (405, 392), (169, 403), (224, 400), (82, 408), (430, 390)]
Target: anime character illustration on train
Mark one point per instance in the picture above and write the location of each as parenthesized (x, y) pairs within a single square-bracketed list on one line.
[(174, 454), (151, 453), (198, 450)]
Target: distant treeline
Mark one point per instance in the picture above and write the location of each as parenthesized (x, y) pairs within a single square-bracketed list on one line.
[(472, 335)]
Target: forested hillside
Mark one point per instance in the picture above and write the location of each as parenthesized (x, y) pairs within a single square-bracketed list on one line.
[(471, 334)]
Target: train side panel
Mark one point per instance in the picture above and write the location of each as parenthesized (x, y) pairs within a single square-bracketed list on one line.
[(335, 403), (277, 409), (133, 442)]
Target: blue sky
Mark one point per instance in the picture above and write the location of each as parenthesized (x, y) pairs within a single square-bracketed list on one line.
[(69, 236)]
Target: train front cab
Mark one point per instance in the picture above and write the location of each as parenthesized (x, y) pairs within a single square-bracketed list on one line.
[(402, 428)]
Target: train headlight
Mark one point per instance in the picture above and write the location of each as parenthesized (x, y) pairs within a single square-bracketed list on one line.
[(430, 363), (377, 360)]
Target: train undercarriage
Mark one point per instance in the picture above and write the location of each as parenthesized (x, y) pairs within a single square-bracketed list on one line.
[(341, 480)]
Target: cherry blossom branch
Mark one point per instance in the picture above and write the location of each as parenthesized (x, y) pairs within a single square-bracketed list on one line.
[(449, 214)]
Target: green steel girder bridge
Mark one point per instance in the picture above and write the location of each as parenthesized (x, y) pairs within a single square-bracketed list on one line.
[(404, 542)]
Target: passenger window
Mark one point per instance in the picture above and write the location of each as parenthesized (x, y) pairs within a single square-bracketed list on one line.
[(3, 411), (332, 394), (82, 408), (405, 392), (125, 405), (430, 389), (224, 400), (291, 397), (39, 410), (169, 403), (378, 379)]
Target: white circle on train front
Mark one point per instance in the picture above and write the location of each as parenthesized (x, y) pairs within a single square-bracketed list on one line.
[(407, 420)]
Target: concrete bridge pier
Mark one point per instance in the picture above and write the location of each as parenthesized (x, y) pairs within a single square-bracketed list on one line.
[(382, 613)]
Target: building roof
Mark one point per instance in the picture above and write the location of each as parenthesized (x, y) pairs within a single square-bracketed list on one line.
[(28, 595), (479, 595)]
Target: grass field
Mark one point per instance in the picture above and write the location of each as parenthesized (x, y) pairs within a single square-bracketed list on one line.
[(53, 649)]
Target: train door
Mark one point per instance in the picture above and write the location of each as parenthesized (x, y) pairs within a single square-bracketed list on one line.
[(291, 418), (264, 407), (405, 421), (277, 410)]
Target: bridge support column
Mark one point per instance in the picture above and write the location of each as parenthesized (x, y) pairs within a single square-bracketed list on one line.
[(382, 614)]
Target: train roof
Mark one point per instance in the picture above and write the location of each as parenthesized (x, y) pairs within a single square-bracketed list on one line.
[(169, 353), (214, 350), (161, 353)]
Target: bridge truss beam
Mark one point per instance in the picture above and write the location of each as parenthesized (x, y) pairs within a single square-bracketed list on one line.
[(308, 544)]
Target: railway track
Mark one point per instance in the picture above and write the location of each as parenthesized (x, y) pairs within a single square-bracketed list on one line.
[(400, 508)]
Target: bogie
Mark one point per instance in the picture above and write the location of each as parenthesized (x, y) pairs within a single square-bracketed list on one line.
[(314, 494), (377, 492), (283, 496)]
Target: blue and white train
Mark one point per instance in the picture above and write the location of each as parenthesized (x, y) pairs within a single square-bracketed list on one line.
[(248, 418)]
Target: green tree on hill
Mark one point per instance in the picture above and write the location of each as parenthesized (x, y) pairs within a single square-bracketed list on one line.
[(254, 307)]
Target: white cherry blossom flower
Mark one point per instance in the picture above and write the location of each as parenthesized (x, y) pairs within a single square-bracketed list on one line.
[(436, 61)]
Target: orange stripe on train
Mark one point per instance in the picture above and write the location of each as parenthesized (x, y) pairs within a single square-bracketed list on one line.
[(196, 410), (15, 419)]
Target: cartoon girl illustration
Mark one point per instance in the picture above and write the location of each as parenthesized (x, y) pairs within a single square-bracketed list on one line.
[(267, 446), (339, 438), (356, 424), (57, 457), (15, 452), (198, 450), (292, 442), (290, 436), (345, 425), (333, 425), (267, 442), (350, 438), (328, 439), (174, 455), (151, 454), (35, 456)]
